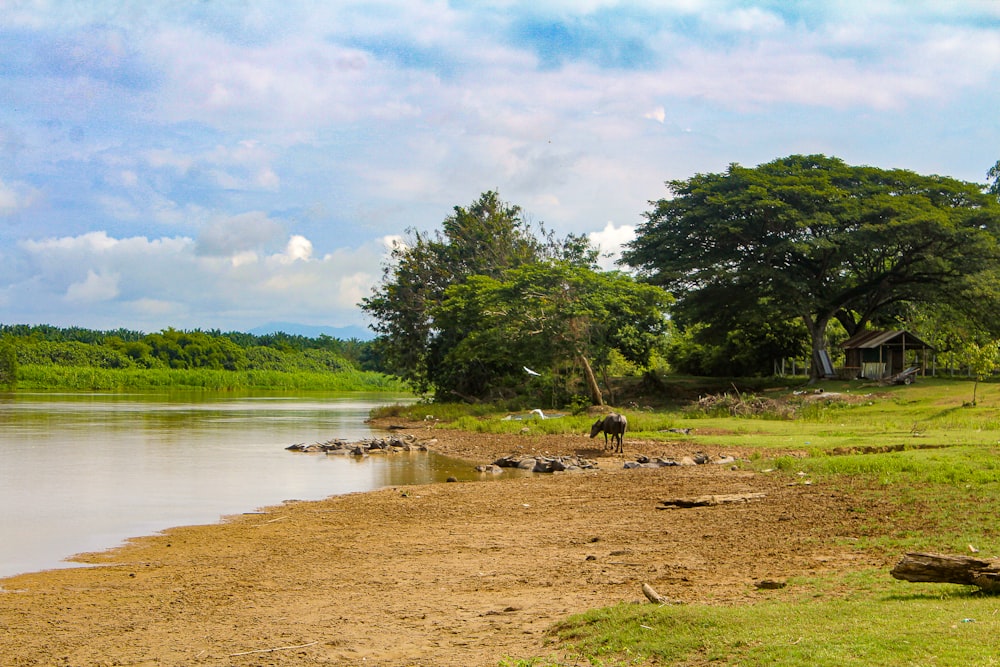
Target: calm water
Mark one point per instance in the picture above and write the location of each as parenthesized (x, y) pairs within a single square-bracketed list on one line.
[(84, 472)]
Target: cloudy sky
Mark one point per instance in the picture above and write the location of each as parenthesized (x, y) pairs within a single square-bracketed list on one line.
[(223, 164)]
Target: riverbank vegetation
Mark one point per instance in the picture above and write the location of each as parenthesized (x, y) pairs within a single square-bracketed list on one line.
[(808, 422), (46, 357)]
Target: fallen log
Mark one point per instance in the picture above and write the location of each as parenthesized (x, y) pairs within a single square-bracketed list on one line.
[(652, 595), (709, 501), (655, 597), (945, 569)]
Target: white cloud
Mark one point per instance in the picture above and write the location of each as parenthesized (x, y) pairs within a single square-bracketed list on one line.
[(95, 242), (658, 114), (266, 179), (301, 80), (233, 235), (15, 197), (168, 158), (611, 241), (298, 248), (95, 287), (121, 208), (242, 165), (245, 257), (751, 19), (128, 178)]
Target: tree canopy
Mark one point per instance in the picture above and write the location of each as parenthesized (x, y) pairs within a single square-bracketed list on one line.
[(462, 312), (811, 237), (550, 315), (8, 363)]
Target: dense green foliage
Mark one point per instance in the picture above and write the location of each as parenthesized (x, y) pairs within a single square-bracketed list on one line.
[(90, 378), (749, 350), (815, 239), (553, 316), (8, 362), (993, 178), (46, 356), (464, 311)]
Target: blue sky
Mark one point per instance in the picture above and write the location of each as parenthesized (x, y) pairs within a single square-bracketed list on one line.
[(225, 164)]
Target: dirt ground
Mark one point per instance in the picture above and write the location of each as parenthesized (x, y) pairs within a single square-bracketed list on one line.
[(451, 574)]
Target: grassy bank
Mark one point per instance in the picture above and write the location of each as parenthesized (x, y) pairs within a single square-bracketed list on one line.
[(930, 457), (73, 378), (827, 418), (860, 620)]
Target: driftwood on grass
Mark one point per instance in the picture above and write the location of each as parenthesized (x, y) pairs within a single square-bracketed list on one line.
[(709, 501), (655, 597), (652, 595), (945, 569)]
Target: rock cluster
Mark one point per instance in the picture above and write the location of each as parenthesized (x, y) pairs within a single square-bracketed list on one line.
[(544, 463), (387, 445), (699, 458)]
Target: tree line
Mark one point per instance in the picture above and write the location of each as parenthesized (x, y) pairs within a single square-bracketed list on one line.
[(45, 345), (727, 273)]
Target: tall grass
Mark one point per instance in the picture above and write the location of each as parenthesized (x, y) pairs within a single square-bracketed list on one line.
[(849, 416), (36, 377)]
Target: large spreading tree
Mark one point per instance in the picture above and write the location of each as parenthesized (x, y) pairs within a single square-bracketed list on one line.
[(814, 238), (463, 311)]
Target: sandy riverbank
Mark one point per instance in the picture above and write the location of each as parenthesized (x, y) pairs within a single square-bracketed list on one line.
[(447, 574)]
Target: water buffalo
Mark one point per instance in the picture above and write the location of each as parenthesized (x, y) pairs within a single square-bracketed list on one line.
[(613, 425)]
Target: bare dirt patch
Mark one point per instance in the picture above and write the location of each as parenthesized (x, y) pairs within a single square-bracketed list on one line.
[(445, 574)]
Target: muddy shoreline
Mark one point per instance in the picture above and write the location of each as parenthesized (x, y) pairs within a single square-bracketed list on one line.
[(444, 574)]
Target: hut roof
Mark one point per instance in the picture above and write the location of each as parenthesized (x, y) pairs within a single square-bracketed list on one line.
[(874, 339)]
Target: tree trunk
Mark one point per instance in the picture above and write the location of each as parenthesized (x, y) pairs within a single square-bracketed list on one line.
[(944, 569), (817, 333), (607, 385), (588, 373)]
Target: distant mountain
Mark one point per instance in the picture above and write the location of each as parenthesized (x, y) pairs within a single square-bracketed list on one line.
[(309, 331)]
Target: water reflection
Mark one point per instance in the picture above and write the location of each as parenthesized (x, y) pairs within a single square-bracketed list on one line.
[(84, 472)]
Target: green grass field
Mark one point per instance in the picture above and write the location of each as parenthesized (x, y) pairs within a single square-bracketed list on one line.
[(922, 446)]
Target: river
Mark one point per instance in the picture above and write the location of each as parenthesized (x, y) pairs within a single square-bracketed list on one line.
[(84, 472)]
